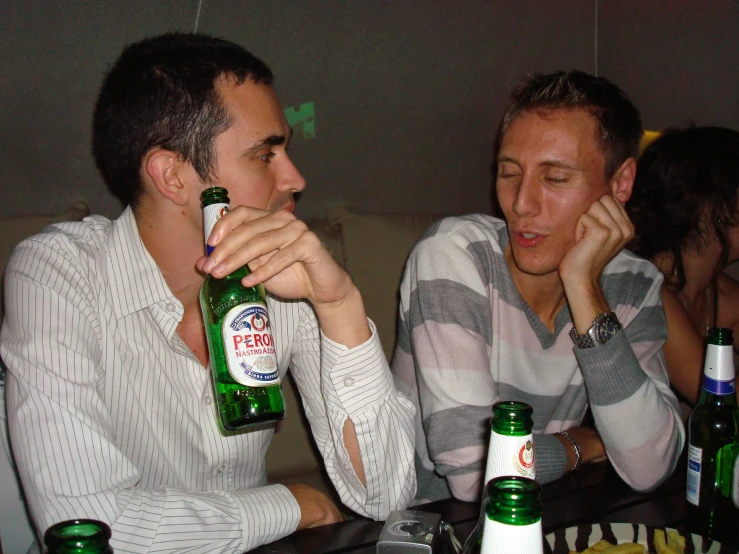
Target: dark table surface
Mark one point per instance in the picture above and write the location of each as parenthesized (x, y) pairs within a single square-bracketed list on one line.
[(593, 494)]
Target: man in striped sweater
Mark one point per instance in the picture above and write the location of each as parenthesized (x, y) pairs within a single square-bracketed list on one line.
[(543, 307)]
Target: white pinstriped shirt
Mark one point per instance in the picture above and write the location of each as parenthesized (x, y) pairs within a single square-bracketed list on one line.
[(111, 415)]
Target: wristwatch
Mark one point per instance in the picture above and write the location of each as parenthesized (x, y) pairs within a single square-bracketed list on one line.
[(603, 328)]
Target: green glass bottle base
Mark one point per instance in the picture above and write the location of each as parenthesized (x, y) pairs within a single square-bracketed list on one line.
[(720, 524), (241, 407)]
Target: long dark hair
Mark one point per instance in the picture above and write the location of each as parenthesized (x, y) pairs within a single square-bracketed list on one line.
[(685, 191)]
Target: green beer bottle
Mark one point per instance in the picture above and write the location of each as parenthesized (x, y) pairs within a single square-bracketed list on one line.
[(510, 519), (243, 361), (78, 536), (511, 450), (713, 446)]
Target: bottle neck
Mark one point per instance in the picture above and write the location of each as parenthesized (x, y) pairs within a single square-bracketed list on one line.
[(211, 214), (512, 501), (513, 419), (719, 376), (84, 536)]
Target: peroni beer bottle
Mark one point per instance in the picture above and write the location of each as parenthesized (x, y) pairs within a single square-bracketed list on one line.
[(243, 360)]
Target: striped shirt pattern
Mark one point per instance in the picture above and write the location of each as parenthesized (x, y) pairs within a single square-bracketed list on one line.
[(111, 415), (467, 339)]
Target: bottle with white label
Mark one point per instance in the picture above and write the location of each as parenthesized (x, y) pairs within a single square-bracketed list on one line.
[(243, 360), (510, 519), (511, 450), (713, 446)]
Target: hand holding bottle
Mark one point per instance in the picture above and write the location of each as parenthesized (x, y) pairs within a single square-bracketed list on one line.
[(281, 252), (291, 262)]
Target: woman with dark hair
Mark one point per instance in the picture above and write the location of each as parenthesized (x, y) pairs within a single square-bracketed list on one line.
[(685, 212)]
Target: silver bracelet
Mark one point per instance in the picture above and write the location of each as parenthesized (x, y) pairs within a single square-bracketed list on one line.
[(578, 454)]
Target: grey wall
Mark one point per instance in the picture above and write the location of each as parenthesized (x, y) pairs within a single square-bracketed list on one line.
[(407, 94)]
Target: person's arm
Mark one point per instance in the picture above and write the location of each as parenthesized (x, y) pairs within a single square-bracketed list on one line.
[(290, 261), (339, 385), (684, 348), (63, 437), (635, 411)]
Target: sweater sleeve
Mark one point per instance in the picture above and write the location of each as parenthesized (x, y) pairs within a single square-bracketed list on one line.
[(636, 413)]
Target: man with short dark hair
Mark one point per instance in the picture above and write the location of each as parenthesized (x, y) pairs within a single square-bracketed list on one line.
[(490, 309), (109, 396)]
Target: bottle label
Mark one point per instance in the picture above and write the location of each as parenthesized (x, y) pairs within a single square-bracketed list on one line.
[(718, 370), (510, 456), (211, 214), (695, 458), (499, 538), (249, 347)]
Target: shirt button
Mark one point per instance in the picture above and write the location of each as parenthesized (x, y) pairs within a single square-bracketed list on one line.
[(349, 382), (208, 400), (220, 468), (170, 307)]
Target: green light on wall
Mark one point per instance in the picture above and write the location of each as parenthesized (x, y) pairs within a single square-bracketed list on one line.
[(304, 117)]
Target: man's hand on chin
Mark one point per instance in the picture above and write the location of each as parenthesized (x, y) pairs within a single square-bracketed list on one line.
[(601, 234)]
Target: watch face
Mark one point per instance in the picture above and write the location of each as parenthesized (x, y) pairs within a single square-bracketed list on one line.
[(606, 328)]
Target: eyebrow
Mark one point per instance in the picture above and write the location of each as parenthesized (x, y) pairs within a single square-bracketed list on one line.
[(549, 163), (272, 140)]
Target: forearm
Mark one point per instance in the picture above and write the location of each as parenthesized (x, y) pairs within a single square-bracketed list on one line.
[(683, 348), (586, 301), (362, 425), (382, 423), (62, 483), (636, 414), (345, 321), (165, 520)]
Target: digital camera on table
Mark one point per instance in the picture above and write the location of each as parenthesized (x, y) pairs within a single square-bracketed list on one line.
[(409, 532)]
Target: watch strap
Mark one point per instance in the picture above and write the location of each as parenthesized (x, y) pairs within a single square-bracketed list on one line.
[(604, 326)]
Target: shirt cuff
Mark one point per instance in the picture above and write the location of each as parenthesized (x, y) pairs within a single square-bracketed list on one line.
[(611, 371), (550, 458), (269, 513), (360, 376)]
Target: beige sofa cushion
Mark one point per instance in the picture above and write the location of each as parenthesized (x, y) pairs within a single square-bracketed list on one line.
[(15, 229), (375, 249)]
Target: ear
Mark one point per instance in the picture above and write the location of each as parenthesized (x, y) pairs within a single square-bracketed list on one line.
[(622, 182), (169, 174)]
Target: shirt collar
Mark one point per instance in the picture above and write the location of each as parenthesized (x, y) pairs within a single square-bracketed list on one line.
[(135, 278)]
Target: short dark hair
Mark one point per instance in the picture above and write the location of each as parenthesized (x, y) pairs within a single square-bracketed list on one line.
[(682, 177), (618, 119), (162, 92)]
